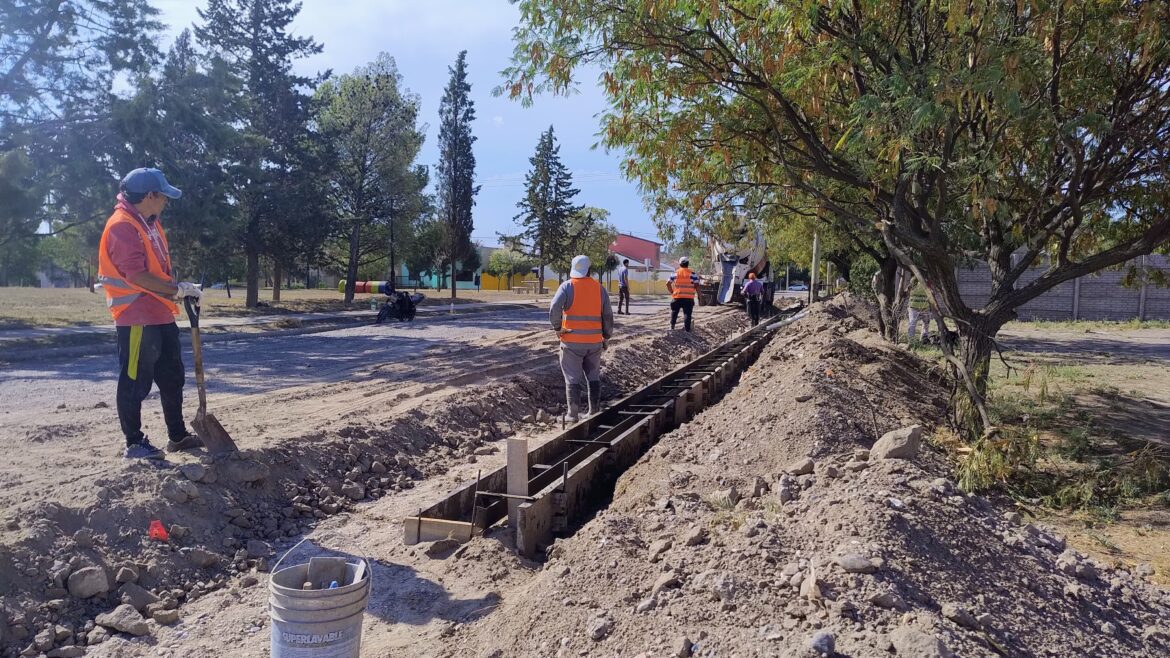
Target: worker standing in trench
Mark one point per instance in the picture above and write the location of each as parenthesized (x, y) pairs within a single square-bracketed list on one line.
[(581, 315), (682, 286), (134, 268), (753, 292)]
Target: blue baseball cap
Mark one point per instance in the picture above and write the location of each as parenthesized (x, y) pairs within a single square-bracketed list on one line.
[(144, 181)]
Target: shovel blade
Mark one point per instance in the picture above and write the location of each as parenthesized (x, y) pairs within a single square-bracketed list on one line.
[(214, 436)]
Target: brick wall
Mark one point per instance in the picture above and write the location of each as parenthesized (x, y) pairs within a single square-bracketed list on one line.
[(1095, 297)]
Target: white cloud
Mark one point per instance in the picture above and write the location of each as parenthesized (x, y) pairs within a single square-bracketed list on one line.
[(498, 120)]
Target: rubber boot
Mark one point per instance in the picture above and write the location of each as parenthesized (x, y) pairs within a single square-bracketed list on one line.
[(572, 403), (594, 398)]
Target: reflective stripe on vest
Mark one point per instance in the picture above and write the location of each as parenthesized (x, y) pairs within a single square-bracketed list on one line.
[(683, 287), (120, 293), (581, 322)]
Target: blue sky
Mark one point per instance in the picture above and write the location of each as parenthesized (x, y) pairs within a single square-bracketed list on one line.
[(424, 38)]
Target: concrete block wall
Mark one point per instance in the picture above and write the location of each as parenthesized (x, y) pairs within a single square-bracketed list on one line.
[(1098, 296)]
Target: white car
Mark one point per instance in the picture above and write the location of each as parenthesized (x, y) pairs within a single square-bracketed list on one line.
[(798, 287)]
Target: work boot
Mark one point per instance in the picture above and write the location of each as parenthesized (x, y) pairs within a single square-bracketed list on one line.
[(594, 398), (572, 403), (186, 442)]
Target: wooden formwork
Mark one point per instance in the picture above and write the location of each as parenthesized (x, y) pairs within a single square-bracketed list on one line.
[(544, 490)]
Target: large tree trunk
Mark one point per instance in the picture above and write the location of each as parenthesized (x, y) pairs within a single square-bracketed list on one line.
[(252, 277), (971, 365), (886, 291), (277, 279), (351, 265)]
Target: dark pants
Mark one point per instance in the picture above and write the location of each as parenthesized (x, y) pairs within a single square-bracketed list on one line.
[(687, 306), (753, 306), (624, 294), (149, 355)]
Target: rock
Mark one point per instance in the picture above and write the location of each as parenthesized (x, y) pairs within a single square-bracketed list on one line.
[(44, 640), (912, 643), (102, 405), (888, 600), (823, 642), (803, 398), (243, 471), (1109, 628), (67, 652), (855, 563), (353, 490), (166, 617), (695, 536), (83, 538), (1086, 571), (658, 547), (201, 558), (810, 587), (97, 636), (60, 633), (178, 492), (829, 471), (666, 581), (726, 497), (1145, 570), (127, 574), (856, 466), (249, 581), (722, 585), (179, 531), (88, 581), (257, 548), (193, 472), (759, 487), (800, 467), (960, 616), (682, 647), (898, 444), (1067, 562), (124, 618), (646, 605), (598, 628), (136, 596), (378, 467)]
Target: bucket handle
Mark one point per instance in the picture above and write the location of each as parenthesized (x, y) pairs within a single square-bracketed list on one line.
[(368, 560), (276, 567)]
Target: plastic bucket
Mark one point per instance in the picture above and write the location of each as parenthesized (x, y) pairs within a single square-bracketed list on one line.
[(321, 623), (341, 286)]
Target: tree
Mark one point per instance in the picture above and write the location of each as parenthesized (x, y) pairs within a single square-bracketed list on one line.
[(1022, 136), (587, 233), (508, 263), (271, 112), (373, 129), (547, 206), (424, 255), (456, 172)]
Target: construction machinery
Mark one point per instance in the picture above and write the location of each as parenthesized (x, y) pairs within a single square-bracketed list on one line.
[(734, 255)]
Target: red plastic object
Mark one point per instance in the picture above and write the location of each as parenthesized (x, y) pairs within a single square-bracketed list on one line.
[(157, 531)]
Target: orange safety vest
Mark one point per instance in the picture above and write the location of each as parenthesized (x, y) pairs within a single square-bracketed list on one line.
[(581, 322), (120, 293), (682, 286)]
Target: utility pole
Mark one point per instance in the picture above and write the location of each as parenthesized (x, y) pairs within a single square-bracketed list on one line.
[(816, 264)]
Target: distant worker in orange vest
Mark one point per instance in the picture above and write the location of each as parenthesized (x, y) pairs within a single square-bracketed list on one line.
[(134, 268), (683, 285), (583, 319)]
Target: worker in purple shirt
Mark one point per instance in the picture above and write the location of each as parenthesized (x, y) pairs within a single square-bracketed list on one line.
[(753, 292), (624, 286)]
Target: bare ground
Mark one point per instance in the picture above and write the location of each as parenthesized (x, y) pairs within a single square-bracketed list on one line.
[(323, 420)]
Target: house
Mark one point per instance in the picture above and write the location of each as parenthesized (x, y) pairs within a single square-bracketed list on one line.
[(646, 252)]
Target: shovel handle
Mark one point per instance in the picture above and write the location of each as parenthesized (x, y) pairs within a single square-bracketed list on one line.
[(197, 350)]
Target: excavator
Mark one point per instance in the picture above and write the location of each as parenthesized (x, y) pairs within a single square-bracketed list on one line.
[(741, 251)]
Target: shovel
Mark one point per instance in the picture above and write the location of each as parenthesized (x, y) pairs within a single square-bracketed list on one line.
[(206, 425)]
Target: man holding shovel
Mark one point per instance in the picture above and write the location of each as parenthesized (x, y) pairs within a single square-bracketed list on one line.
[(134, 268)]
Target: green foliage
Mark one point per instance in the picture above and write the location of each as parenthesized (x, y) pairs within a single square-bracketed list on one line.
[(375, 190), (547, 209), (508, 263), (456, 171)]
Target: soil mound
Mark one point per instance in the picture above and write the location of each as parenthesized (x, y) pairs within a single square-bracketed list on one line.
[(808, 514)]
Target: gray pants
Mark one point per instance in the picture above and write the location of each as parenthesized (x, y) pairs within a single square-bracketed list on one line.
[(581, 363)]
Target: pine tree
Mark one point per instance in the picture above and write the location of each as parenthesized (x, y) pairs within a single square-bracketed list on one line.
[(456, 175), (272, 111), (547, 207)]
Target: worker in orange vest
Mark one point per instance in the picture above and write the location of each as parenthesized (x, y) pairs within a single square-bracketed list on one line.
[(683, 285), (134, 268), (583, 319)]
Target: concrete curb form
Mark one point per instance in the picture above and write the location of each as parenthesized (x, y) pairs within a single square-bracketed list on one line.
[(328, 323)]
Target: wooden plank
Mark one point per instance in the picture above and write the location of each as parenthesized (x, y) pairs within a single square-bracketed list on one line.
[(416, 529), (517, 474)]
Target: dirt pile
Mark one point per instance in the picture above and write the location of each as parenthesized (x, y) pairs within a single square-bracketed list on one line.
[(777, 523), (65, 563)]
